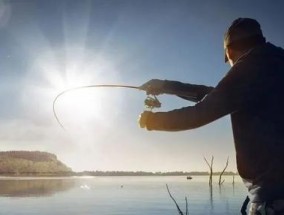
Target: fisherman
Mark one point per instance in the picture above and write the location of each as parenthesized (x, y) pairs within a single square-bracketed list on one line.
[(252, 92)]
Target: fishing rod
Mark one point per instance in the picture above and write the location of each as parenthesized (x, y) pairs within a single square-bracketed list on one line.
[(150, 102)]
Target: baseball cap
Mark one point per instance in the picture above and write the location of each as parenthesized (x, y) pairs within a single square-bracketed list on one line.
[(242, 29)]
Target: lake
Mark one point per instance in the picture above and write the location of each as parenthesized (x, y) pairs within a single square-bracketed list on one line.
[(135, 195)]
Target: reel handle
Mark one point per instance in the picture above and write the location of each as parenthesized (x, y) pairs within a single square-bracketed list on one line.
[(152, 102)]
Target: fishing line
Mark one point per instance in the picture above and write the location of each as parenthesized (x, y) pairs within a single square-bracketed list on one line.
[(92, 86)]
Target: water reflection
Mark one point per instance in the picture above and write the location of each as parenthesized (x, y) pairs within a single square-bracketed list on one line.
[(211, 196), (104, 196), (34, 188)]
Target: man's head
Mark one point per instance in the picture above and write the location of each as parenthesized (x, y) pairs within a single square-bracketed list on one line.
[(242, 35)]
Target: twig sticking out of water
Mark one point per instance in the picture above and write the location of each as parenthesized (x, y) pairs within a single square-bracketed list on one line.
[(186, 207), (220, 177), (178, 208), (211, 169)]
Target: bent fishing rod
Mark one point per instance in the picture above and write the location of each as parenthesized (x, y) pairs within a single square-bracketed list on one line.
[(150, 102)]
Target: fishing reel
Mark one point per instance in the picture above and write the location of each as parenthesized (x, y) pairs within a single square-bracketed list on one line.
[(152, 102)]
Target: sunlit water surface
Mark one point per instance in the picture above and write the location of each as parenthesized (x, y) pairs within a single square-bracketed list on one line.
[(119, 196)]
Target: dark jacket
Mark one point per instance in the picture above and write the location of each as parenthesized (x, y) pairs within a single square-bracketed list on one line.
[(253, 93)]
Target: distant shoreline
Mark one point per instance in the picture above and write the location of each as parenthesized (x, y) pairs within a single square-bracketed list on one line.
[(45, 164), (142, 173), (113, 173)]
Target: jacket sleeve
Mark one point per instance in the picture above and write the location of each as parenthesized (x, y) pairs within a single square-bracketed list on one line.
[(191, 92), (230, 95), (211, 108)]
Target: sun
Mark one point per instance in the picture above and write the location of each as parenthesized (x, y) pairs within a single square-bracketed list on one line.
[(78, 108)]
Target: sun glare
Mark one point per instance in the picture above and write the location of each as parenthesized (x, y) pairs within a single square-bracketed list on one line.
[(81, 107), (78, 108)]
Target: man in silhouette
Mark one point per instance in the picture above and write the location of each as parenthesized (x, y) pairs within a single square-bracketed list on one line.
[(252, 92)]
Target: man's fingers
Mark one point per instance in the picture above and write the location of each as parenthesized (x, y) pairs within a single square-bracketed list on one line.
[(153, 87), (143, 119)]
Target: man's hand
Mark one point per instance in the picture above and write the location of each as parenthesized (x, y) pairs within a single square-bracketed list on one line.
[(143, 118), (154, 87)]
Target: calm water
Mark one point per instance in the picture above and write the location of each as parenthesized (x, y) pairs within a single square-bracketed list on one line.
[(118, 196)]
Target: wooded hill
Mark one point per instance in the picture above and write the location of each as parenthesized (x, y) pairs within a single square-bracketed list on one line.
[(31, 163)]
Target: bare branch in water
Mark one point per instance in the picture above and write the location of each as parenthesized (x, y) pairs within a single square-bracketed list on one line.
[(179, 210), (186, 206), (220, 177), (211, 169)]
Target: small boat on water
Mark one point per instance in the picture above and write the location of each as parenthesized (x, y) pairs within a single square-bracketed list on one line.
[(188, 177)]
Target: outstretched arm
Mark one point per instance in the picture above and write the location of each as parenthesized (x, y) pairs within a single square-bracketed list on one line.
[(209, 109), (190, 92), (234, 92)]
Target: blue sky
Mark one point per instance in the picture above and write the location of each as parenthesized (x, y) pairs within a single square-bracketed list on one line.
[(49, 46)]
